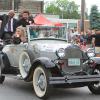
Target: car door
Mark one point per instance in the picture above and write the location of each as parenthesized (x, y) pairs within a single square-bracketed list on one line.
[(18, 49)]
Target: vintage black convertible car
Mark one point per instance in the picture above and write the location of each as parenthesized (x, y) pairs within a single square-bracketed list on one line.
[(48, 61)]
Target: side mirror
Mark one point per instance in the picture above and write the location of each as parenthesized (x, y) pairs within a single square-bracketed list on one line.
[(16, 40)]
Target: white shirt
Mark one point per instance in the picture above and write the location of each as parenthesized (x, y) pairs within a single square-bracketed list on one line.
[(6, 27)]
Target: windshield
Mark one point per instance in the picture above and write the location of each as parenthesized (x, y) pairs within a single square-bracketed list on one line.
[(46, 32)]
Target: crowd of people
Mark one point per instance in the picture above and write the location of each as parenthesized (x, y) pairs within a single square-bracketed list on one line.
[(11, 27), (86, 39)]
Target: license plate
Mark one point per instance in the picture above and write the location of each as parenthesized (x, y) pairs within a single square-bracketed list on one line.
[(73, 62)]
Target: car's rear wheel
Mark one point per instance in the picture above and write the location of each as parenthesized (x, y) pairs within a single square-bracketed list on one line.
[(24, 64), (95, 87), (2, 78), (41, 82)]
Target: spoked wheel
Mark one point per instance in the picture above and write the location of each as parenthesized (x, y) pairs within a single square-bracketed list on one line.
[(40, 82), (95, 87), (24, 64)]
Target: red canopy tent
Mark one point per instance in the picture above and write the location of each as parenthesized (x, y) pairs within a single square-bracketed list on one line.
[(42, 20), (58, 24)]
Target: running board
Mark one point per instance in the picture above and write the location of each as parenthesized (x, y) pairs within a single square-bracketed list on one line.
[(19, 77)]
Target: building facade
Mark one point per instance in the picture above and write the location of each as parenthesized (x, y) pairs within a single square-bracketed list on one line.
[(34, 6), (5, 4)]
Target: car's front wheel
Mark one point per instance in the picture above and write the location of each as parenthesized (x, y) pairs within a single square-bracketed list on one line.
[(95, 87), (41, 81)]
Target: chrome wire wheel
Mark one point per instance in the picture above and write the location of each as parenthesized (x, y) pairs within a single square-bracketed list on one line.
[(24, 64), (40, 82)]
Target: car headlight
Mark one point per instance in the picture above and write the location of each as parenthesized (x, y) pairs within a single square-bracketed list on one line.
[(90, 52), (61, 53)]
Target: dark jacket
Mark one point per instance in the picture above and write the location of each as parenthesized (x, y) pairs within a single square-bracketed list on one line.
[(4, 19), (22, 22), (97, 39)]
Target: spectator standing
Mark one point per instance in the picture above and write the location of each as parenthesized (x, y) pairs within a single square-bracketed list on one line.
[(96, 42), (89, 33), (69, 35), (8, 25), (75, 31)]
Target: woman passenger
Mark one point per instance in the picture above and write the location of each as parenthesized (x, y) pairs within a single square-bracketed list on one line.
[(20, 33)]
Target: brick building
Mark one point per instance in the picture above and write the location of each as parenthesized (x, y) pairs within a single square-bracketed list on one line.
[(34, 6)]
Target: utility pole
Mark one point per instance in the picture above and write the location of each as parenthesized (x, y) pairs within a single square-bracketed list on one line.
[(82, 15)]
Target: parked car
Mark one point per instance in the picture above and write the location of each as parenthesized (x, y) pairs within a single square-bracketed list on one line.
[(48, 61)]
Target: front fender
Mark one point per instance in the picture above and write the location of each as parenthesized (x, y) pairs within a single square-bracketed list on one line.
[(48, 63), (96, 59)]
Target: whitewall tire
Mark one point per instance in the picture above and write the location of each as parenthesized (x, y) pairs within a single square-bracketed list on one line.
[(40, 82), (24, 64)]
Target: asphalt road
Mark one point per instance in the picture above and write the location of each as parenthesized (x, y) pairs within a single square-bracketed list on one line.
[(13, 89)]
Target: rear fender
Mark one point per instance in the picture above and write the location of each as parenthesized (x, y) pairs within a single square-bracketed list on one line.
[(1, 60), (4, 61)]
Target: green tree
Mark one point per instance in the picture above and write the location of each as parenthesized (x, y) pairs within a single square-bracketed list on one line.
[(98, 21), (64, 8), (94, 18), (52, 9), (72, 10), (62, 5)]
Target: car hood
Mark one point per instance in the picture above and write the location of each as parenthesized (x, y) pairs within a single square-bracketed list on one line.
[(50, 46), (53, 47)]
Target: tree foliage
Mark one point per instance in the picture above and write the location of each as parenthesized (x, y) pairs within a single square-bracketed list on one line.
[(94, 18), (52, 9), (63, 8)]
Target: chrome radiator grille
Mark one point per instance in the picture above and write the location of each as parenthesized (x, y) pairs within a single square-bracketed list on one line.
[(72, 52)]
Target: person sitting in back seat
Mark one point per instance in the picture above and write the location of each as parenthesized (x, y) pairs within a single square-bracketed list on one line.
[(20, 33)]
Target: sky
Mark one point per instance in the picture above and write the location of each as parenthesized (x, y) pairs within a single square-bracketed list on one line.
[(89, 3)]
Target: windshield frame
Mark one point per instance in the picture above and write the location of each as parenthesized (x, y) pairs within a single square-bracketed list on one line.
[(44, 27)]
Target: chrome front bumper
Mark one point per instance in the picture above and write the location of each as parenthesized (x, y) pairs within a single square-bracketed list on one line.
[(74, 79)]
